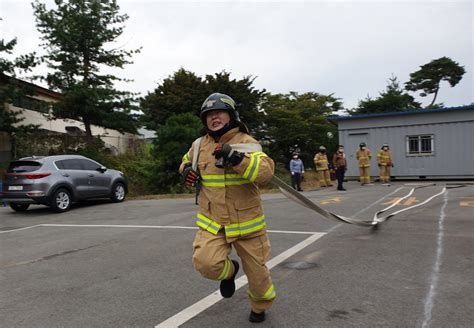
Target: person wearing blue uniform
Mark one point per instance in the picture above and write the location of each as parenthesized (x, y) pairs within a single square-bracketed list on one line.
[(297, 170)]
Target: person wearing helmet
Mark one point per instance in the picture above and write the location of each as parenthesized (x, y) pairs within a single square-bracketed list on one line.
[(322, 167), (384, 159), (364, 156), (230, 211)]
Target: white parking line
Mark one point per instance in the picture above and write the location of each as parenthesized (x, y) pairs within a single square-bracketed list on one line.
[(200, 306), (5, 231), (429, 301), (117, 226), (141, 227)]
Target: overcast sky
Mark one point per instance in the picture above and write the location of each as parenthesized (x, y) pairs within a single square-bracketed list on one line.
[(349, 48)]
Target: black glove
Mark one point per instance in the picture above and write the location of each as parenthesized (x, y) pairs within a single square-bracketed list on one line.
[(225, 154), (190, 176)]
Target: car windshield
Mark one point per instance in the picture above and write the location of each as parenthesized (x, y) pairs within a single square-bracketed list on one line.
[(23, 166)]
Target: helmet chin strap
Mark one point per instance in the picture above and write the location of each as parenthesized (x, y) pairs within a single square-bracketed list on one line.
[(219, 133)]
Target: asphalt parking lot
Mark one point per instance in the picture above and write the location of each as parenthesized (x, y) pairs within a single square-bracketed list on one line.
[(129, 264)]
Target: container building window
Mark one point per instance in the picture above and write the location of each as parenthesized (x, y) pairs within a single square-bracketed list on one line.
[(420, 145)]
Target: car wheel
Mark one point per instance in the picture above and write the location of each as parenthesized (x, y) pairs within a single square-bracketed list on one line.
[(118, 192), (61, 200), (19, 207)]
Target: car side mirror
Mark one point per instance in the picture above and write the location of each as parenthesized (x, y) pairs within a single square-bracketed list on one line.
[(102, 169)]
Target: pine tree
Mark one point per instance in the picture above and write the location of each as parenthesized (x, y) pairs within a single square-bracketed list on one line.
[(78, 36), (428, 78), (392, 99)]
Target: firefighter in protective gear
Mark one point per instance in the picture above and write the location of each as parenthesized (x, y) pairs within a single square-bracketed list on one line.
[(322, 167), (230, 209), (364, 156), (384, 159)]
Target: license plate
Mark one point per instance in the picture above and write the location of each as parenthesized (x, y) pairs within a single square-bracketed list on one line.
[(15, 187)]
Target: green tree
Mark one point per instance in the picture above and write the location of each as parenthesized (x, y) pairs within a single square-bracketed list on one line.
[(78, 36), (392, 99), (247, 98), (173, 140), (428, 78), (297, 123), (11, 88), (184, 92)]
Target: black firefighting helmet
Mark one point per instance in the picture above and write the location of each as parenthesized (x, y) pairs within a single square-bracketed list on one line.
[(219, 101), (385, 145), (362, 144)]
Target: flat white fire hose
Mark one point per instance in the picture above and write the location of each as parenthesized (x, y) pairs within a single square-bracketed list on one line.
[(303, 200)]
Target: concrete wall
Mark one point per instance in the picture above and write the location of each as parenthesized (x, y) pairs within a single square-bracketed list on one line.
[(453, 153)]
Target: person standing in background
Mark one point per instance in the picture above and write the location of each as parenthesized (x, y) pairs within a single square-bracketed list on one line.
[(384, 159), (322, 167), (340, 165), (297, 170), (364, 156)]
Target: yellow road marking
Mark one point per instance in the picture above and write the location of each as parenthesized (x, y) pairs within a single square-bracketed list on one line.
[(333, 200), (408, 202), (466, 203), (392, 201)]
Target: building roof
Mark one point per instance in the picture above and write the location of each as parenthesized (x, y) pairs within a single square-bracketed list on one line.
[(36, 88), (336, 118)]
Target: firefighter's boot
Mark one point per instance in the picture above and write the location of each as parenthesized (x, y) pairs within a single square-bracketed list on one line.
[(257, 317), (227, 286)]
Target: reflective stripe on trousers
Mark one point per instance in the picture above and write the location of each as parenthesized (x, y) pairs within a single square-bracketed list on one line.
[(269, 295), (225, 272), (234, 229)]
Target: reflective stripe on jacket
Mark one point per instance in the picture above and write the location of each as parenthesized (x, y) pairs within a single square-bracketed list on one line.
[(364, 157), (384, 157), (229, 197), (321, 162)]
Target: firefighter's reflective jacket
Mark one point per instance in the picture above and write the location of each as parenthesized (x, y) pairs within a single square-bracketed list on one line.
[(321, 162), (229, 196), (363, 156), (384, 158)]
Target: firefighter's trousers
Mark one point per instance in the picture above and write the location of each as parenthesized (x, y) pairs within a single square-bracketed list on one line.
[(211, 259), (324, 178), (385, 173), (364, 173)]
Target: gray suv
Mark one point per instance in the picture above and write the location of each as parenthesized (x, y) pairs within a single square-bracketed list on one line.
[(58, 181)]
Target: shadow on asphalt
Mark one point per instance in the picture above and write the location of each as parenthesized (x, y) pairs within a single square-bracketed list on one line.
[(42, 210)]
